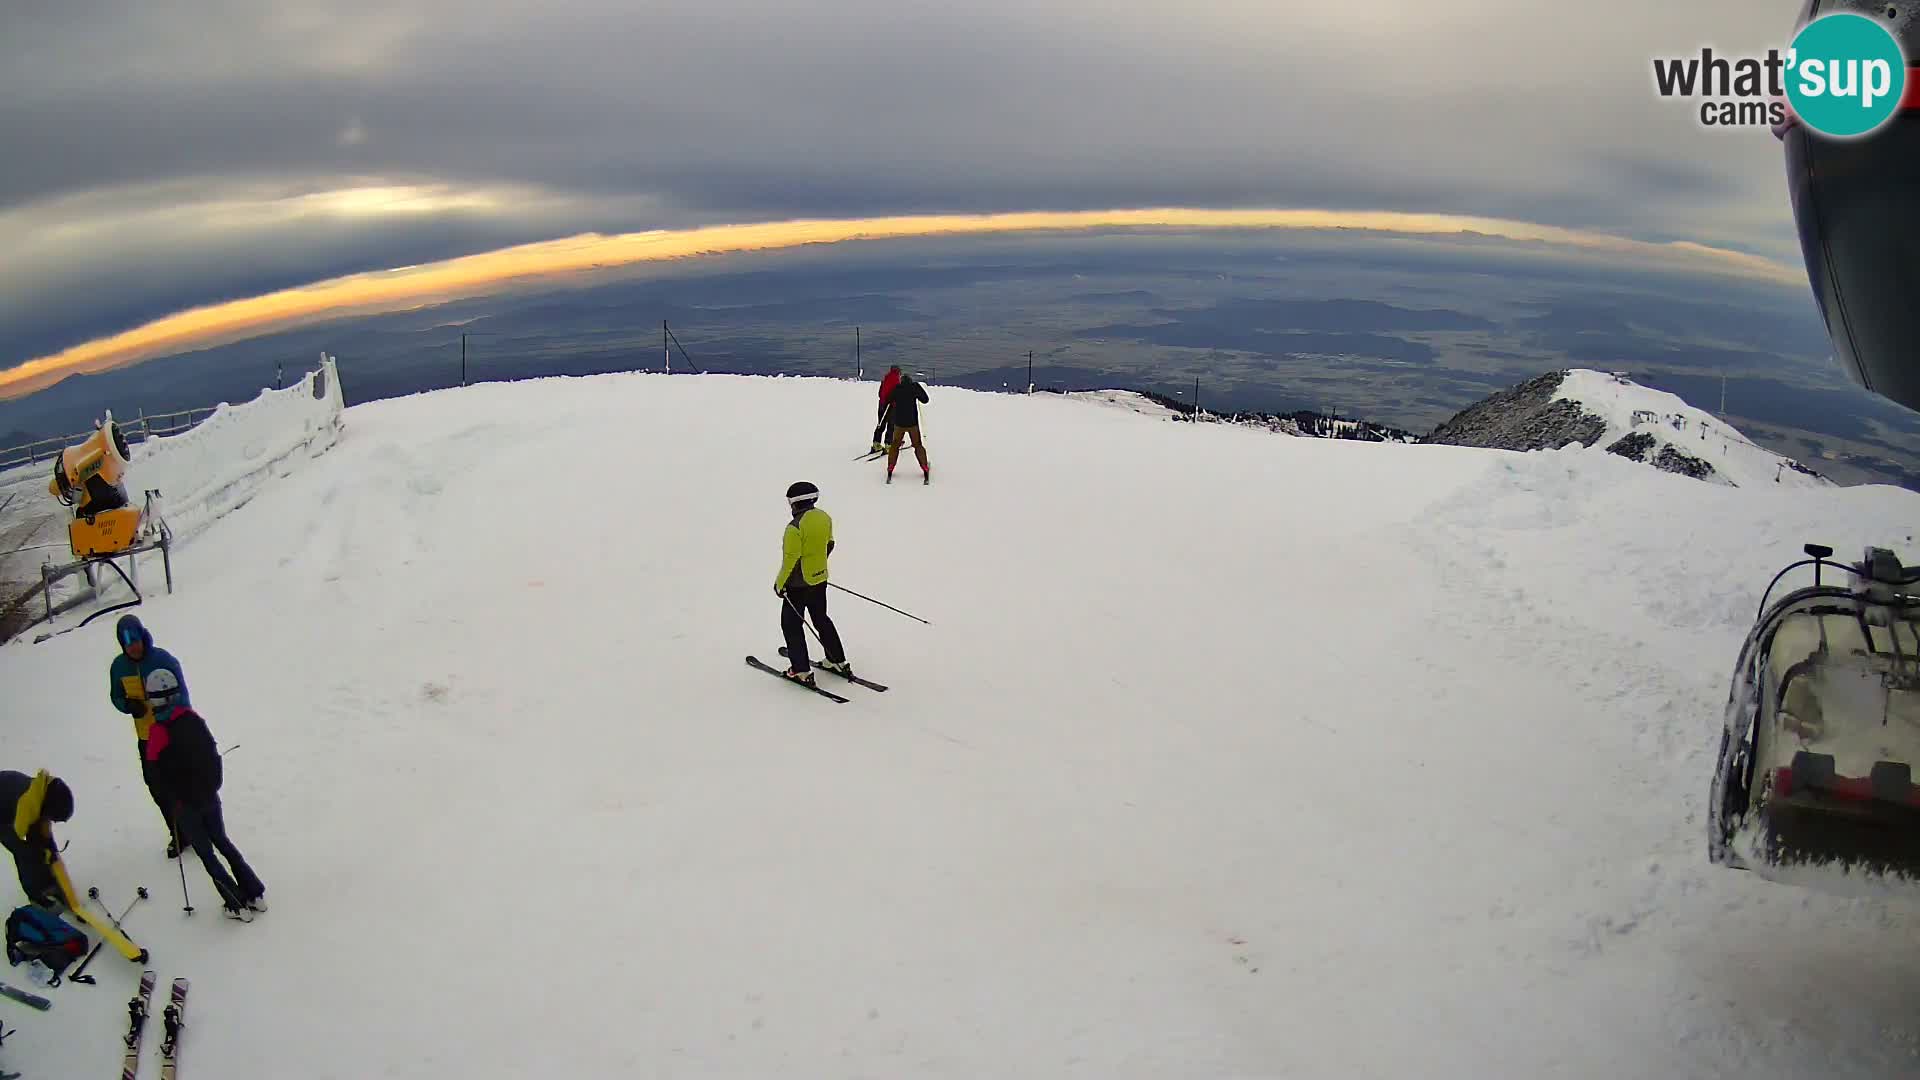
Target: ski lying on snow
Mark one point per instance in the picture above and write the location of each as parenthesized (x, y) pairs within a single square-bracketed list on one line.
[(753, 661), (173, 1020), (868, 683), (137, 1025), (24, 998)]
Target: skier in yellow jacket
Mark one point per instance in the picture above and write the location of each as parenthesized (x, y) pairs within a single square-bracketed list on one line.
[(801, 584), (31, 805)]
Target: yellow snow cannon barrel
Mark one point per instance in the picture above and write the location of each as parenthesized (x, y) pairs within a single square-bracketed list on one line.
[(87, 478)]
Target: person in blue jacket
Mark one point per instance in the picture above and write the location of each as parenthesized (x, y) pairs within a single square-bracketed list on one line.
[(127, 679)]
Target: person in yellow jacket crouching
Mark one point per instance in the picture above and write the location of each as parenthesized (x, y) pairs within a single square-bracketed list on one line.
[(31, 805), (801, 585)]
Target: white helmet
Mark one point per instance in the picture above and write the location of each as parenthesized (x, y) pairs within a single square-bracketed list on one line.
[(161, 686)]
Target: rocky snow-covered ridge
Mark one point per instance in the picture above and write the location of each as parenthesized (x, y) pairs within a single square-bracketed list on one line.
[(1620, 416)]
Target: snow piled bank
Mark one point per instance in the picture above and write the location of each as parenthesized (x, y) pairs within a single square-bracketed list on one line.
[(200, 475), (214, 467), (1223, 755)]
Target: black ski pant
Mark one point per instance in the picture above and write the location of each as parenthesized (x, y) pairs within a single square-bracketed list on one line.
[(204, 829), (880, 428), (153, 788), (811, 599), (30, 862)]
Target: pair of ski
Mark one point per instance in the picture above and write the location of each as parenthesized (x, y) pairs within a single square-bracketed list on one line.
[(756, 662), (925, 478), (172, 1019)]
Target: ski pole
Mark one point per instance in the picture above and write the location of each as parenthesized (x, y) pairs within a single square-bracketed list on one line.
[(803, 621), (93, 893), (139, 893), (184, 898), (871, 600)]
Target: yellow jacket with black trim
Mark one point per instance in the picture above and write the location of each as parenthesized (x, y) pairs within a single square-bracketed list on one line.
[(804, 548), (27, 808)]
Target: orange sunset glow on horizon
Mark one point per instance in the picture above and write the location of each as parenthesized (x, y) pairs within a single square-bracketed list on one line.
[(482, 274)]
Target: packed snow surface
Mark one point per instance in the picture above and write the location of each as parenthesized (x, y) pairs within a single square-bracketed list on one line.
[(1222, 755), (1129, 400)]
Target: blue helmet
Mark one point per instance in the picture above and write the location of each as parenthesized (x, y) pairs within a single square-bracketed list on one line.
[(129, 630)]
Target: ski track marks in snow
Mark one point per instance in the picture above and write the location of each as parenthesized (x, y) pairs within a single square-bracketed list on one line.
[(1585, 612)]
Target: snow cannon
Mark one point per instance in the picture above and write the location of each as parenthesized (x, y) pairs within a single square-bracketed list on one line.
[(1857, 205), (1815, 779), (107, 528), (87, 478)]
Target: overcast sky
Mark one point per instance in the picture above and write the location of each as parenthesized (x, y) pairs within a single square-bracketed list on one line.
[(158, 156)]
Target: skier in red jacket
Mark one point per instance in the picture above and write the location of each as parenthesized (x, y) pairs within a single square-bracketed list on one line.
[(886, 391)]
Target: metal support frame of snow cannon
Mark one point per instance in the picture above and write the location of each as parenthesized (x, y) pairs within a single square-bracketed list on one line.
[(160, 538), (1809, 820)]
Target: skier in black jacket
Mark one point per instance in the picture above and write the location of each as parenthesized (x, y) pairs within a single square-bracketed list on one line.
[(31, 804), (187, 768), (903, 411)]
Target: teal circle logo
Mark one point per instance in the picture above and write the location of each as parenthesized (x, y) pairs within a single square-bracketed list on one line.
[(1846, 75)]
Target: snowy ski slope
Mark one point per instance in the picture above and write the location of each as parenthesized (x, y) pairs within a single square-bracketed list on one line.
[(1223, 755), (1129, 400)]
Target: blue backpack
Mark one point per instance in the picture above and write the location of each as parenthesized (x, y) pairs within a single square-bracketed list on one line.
[(37, 934)]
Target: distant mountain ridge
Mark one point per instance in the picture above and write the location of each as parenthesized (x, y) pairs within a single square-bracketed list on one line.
[(1548, 412), (1594, 408)]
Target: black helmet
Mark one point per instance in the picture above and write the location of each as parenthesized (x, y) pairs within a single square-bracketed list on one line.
[(802, 495), (57, 804)]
